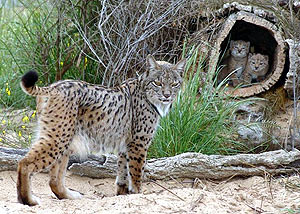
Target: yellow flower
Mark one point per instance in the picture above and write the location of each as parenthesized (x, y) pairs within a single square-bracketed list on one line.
[(3, 131), (29, 137), (33, 115), (20, 134), (23, 127), (3, 122), (6, 84), (8, 91), (0, 139), (68, 44), (61, 63), (85, 62), (25, 119), (41, 81)]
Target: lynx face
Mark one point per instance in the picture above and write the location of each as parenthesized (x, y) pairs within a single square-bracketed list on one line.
[(239, 48), (163, 83), (259, 64)]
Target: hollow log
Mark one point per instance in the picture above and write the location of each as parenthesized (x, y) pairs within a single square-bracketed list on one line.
[(187, 165), (265, 38)]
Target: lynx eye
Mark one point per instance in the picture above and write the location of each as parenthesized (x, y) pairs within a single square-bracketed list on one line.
[(157, 83), (175, 84)]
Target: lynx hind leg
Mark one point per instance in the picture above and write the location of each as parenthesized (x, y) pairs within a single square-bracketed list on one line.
[(51, 145), (38, 158), (122, 179), (57, 180)]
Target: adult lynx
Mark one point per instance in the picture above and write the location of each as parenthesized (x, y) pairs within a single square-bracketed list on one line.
[(76, 114)]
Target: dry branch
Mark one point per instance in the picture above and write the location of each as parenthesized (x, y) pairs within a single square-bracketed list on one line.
[(187, 165)]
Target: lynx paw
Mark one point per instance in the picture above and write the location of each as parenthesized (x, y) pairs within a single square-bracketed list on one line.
[(30, 201), (72, 194), (122, 189)]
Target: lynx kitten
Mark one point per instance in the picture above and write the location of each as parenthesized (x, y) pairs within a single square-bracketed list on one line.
[(237, 61), (256, 68), (77, 115)]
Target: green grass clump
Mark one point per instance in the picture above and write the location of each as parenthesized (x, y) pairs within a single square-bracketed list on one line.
[(198, 122), (38, 35), (18, 46), (17, 127)]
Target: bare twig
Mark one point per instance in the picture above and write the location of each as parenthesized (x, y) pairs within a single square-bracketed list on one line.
[(256, 209), (167, 190)]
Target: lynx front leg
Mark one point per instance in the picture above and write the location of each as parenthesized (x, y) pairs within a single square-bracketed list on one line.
[(235, 80), (122, 179), (137, 156), (57, 180)]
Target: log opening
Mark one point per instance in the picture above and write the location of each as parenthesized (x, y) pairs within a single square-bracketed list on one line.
[(264, 37)]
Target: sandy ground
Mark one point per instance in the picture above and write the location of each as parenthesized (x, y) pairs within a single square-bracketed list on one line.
[(236, 195)]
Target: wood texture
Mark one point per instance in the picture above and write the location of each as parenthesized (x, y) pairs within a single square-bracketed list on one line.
[(187, 165)]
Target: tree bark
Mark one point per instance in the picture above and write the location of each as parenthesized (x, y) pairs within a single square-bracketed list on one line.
[(187, 165)]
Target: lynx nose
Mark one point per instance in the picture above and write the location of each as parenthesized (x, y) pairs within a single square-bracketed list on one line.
[(167, 95)]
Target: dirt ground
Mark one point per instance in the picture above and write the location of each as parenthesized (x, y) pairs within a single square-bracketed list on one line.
[(236, 195)]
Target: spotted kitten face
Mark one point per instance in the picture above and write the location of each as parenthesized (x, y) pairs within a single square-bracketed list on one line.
[(258, 63), (239, 48), (163, 81)]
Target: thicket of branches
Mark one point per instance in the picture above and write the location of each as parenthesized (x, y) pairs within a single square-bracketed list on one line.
[(106, 41)]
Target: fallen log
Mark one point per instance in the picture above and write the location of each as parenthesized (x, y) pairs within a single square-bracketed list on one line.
[(187, 165), (9, 158)]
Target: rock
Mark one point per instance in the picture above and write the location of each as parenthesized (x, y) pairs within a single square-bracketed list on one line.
[(251, 130), (254, 134)]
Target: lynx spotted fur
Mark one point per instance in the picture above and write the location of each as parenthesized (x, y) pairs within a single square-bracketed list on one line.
[(236, 62), (75, 114)]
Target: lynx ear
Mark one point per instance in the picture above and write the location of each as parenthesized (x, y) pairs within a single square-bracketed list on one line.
[(231, 44), (248, 44), (151, 63), (266, 57), (250, 55), (180, 66)]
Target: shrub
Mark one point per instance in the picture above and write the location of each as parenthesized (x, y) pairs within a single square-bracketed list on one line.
[(198, 122)]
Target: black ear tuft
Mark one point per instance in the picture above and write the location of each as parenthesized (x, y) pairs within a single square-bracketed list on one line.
[(29, 79)]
